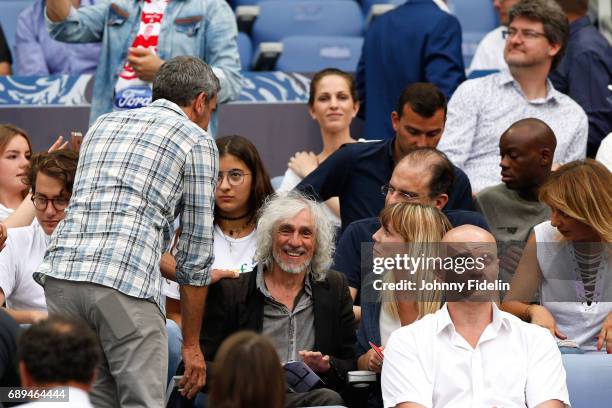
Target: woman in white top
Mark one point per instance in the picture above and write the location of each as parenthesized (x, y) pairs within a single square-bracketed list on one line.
[(243, 185), (568, 260), (15, 152), (411, 225), (333, 104)]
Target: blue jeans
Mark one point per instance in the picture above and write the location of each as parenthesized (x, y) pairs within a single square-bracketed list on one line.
[(175, 344)]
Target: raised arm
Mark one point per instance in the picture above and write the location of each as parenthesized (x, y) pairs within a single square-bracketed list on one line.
[(329, 179)]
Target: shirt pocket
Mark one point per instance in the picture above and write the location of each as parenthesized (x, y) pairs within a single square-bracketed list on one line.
[(116, 16), (188, 26)]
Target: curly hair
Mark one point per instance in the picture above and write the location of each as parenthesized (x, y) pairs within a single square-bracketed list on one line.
[(60, 165), (283, 206)]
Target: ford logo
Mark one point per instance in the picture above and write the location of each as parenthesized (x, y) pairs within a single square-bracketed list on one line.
[(132, 98)]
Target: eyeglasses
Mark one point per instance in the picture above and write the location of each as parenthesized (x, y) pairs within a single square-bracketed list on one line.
[(234, 177), (525, 34), (40, 203), (387, 189)]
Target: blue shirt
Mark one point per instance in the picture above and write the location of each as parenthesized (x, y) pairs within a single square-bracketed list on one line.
[(37, 54), (138, 169), (205, 28), (584, 75), (356, 172), (415, 42)]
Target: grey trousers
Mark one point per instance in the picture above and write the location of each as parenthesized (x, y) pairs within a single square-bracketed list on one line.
[(132, 336)]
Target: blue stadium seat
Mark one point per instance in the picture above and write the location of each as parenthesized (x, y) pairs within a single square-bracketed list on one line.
[(245, 49), (475, 15), (281, 18), (9, 11), (367, 4), (588, 379), (313, 53), (477, 18), (469, 44)]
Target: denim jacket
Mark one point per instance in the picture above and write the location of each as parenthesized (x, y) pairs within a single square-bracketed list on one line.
[(206, 28)]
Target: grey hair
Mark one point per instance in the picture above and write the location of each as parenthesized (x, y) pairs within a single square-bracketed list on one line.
[(552, 17), (282, 206), (182, 79)]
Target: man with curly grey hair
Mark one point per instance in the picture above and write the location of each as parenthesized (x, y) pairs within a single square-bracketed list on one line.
[(291, 296)]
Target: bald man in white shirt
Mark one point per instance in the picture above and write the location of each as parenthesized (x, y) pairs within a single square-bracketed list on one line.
[(470, 353)]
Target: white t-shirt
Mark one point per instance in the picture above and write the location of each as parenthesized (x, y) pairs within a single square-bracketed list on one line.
[(77, 398), (230, 253), (514, 364), (561, 284), (5, 212), (490, 52), (24, 252)]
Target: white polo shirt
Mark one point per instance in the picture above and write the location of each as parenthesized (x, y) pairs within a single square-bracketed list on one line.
[(514, 364)]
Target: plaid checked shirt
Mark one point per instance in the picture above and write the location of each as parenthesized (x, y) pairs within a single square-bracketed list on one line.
[(137, 169)]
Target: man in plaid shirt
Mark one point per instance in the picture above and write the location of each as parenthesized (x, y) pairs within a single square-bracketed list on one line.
[(137, 170)]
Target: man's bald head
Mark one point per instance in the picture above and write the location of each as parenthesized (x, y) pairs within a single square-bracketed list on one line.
[(527, 149), (468, 234)]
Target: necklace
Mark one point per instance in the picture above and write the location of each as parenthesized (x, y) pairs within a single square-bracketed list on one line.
[(224, 217), (235, 232)]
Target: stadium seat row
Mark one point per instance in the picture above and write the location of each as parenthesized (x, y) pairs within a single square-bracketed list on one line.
[(309, 34)]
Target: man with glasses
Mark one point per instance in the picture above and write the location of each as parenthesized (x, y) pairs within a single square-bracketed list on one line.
[(50, 176), (355, 172), (423, 176), (482, 109), (138, 170)]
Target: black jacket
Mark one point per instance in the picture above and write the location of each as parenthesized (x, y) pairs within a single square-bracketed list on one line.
[(237, 304)]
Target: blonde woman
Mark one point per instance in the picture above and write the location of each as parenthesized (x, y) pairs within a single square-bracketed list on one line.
[(419, 226), (569, 260)]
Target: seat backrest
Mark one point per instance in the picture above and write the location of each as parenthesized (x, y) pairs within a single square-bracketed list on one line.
[(282, 18), (245, 49), (475, 15), (314, 53), (9, 11), (367, 4), (588, 379)]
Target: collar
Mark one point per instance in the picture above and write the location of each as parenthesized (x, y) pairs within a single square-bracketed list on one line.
[(164, 103), (505, 79), (579, 24), (444, 320), (260, 282)]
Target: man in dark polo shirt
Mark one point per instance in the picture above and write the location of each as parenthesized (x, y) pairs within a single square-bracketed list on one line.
[(423, 176), (356, 172)]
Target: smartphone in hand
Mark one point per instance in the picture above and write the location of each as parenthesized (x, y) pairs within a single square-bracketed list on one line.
[(76, 139)]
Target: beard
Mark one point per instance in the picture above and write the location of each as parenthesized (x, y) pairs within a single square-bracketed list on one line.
[(290, 268)]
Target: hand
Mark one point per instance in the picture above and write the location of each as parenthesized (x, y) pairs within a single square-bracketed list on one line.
[(218, 274), (144, 62), (303, 163), (3, 235), (316, 361), (372, 361), (541, 316), (58, 145), (605, 335), (194, 376), (510, 258), (36, 316)]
